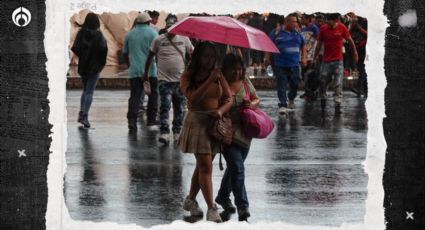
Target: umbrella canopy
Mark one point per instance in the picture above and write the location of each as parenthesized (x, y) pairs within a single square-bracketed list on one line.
[(226, 30)]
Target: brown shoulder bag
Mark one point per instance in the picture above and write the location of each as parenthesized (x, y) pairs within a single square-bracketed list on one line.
[(222, 130)]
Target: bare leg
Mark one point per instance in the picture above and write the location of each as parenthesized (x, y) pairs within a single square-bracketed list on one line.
[(194, 185), (204, 165)]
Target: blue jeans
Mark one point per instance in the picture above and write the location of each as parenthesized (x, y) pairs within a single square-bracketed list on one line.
[(169, 92), (285, 75), (89, 84), (331, 72), (234, 177)]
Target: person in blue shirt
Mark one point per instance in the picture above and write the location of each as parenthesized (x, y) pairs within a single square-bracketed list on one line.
[(136, 48), (287, 63)]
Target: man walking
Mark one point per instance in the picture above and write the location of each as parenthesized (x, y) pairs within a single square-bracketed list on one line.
[(171, 51), (331, 36), (287, 63), (136, 48)]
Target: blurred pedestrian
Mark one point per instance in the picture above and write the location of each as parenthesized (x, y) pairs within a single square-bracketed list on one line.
[(257, 57), (287, 63), (172, 53), (331, 36), (154, 19), (170, 20), (358, 31), (319, 20), (208, 98), (136, 48), (310, 73), (91, 49), (234, 177)]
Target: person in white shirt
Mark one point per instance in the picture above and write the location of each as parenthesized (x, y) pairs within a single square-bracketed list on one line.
[(172, 52)]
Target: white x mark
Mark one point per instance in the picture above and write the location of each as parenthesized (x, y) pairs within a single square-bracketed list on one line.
[(409, 215), (22, 153)]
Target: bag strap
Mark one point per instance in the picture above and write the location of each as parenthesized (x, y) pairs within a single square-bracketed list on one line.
[(178, 50), (247, 92), (220, 164)]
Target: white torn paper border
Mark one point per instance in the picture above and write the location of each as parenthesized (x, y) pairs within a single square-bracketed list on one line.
[(57, 38)]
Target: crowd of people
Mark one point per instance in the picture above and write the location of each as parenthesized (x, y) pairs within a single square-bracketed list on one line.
[(202, 82), (317, 49)]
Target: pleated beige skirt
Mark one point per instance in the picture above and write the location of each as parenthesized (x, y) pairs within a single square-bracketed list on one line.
[(195, 136)]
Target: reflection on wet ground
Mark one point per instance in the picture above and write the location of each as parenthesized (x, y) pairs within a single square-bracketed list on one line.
[(308, 171)]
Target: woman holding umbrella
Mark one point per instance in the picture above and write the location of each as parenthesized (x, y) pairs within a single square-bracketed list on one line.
[(208, 98)]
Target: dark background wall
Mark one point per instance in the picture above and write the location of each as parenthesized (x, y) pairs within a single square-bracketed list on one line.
[(24, 112), (404, 125)]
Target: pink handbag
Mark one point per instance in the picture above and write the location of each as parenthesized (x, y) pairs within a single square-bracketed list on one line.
[(255, 122)]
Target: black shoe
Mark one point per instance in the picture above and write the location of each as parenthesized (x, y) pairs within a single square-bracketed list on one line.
[(226, 205), (323, 104), (80, 117), (86, 124), (132, 125), (85, 121), (243, 214), (226, 215)]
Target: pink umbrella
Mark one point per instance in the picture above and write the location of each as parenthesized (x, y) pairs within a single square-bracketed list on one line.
[(226, 30)]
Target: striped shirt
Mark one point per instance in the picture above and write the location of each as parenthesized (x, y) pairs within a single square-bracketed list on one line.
[(289, 45)]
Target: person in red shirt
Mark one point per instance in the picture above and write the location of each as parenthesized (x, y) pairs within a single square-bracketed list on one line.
[(331, 36)]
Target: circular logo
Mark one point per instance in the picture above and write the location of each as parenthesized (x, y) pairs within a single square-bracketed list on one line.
[(21, 17)]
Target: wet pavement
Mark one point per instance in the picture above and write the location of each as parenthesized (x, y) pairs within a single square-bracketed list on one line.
[(307, 172)]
